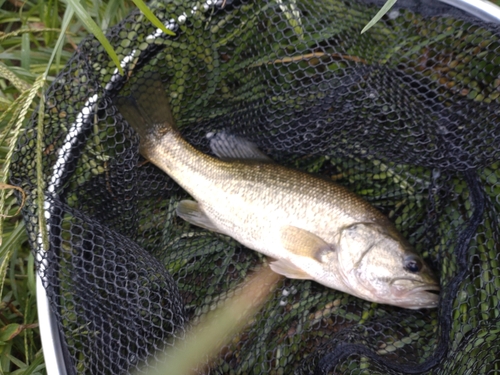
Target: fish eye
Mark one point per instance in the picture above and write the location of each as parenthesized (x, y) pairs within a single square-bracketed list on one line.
[(412, 264)]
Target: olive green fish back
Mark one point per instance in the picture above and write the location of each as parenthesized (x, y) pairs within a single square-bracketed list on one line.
[(406, 115)]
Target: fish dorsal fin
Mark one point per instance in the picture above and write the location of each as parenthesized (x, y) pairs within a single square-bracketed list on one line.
[(288, 269), (304, 243), (191, 212), (232, 147)]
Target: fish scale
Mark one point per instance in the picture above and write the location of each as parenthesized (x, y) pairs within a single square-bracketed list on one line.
[(311, 227)]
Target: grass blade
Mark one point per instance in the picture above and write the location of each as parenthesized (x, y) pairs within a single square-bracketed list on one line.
[(218, 327), (12, 242), (56, 53), (21, 111), (40, 182), (25, 52), (387, 6), (150, 16), (92, 27), (7, 186), (112, 7), (14, 33)]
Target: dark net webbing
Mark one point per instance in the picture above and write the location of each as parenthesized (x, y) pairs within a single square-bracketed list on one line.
[(406, 115)]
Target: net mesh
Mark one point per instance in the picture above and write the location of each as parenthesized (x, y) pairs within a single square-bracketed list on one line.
[(405, 115)]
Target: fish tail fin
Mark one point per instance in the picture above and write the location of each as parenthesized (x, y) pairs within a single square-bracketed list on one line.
[(147, 109)]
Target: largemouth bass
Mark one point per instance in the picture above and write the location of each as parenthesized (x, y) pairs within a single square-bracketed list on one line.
[(312, 228)]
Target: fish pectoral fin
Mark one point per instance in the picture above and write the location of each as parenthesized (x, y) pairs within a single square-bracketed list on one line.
[(304, 243), (232, 147), (288, 269), (191, 212)]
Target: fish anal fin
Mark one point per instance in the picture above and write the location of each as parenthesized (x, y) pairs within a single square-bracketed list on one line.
[(288, 269), (192, 213), (304, 243), (230, 147)]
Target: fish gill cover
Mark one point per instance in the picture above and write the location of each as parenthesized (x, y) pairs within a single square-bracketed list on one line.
[(405, 115)]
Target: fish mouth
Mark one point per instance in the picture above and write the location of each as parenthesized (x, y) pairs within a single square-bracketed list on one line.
[(419, 297), (420, 287), (422, 297), (426, 288)]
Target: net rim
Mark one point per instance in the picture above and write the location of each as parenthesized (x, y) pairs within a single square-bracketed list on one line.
[(481, 9)]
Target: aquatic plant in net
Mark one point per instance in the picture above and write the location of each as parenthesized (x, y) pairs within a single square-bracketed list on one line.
[(405, 115)]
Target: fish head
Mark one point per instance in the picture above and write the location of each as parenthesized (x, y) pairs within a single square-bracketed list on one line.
[(379, 265)]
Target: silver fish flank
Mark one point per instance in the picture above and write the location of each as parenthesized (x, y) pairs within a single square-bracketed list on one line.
[(312, 228)]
